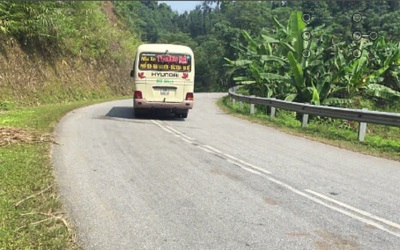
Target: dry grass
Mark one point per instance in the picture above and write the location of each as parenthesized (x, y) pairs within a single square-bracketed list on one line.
[(9, 136)]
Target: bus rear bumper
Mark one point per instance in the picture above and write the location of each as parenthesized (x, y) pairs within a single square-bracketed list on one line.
[(143, 104)]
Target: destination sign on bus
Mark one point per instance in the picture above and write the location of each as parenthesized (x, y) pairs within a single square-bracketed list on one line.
[(165, 62)]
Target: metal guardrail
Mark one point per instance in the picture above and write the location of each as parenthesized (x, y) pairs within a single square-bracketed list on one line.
[(362, 116)]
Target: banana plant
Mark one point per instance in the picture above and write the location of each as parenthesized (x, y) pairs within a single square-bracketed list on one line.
[(367, 72), (392, 64), (300, 70), (257, 61), (275, 66)]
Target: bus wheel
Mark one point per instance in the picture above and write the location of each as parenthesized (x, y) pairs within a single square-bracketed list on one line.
[(138, 112), (182, 115)]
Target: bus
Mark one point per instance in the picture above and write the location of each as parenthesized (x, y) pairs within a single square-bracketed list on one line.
[(163, 79)]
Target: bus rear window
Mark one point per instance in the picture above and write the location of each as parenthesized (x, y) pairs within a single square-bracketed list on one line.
[(165, 62)]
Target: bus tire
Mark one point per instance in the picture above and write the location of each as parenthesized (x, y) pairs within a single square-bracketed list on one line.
[(138, 112), (183, 114)]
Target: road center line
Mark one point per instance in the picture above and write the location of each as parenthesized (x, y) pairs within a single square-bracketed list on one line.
[(355, 214), (174, 132), (161, 126), (248, 164), (236, 160), (204, 149), (186, 140), (342, 211), (362, 212), (180, 133), (213, 149), (243, 167)]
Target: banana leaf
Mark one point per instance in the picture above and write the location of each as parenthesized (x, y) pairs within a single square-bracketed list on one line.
[(238, 63), (290, 97), (315, 96), (381, 91), (279, 25), (266, 58), (336, 101), (253, 45), (241, 78), (272, 76), (296, 28), (297, 71), (246, 82), (268, 39)]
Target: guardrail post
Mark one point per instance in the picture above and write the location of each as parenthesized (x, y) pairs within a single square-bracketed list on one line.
[(304, 121), (272, 115), (362, 129), (233, 101), (383, 118), (273, 111), (252, 107)]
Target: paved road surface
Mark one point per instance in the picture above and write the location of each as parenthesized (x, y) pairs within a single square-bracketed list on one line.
[(214, 181)]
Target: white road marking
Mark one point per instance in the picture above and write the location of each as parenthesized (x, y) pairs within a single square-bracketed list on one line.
[(355, 214), (248, 164), (232, 157), (186, 140), (204, 149), (349, 214), (174, 132), (237, 160), (255, 167), (179, 133), (362, 212), (161, 126), (243, 167), (213, 149)]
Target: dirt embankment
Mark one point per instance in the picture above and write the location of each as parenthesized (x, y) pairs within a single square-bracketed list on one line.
[(33, 76)]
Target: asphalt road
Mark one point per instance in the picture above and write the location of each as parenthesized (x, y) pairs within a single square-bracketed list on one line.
[(213, 181)]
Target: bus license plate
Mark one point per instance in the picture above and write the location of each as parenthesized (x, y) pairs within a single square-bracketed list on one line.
[(164, 92)]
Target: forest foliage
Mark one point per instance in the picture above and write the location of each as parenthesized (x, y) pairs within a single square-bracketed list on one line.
[(73, 28), (258, 44), (62, 51)]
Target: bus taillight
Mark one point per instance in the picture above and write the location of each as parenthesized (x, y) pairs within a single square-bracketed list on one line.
[(138, 95), (189, 97)]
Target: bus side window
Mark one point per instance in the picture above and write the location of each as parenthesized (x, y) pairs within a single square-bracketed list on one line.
[(133, 69)]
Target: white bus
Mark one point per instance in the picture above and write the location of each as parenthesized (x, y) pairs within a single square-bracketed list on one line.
[(163, 79)]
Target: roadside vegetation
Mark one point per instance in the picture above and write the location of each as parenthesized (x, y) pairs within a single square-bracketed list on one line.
[(227, 29), (31, 214), (260, 46), (273, 65), (58, 52), (57, 56), (381, 141), (330, 74), (54, 57)]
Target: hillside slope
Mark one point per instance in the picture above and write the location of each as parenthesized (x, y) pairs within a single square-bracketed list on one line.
[(62, 52)]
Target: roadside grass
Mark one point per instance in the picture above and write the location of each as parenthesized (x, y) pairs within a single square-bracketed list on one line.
[(31, 214), (380, 141)]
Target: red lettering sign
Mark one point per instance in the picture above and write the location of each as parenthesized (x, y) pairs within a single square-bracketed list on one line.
[(165, 62), (168, 59), (183, 60)]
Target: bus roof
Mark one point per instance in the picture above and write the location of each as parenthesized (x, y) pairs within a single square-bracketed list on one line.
[(160, 47)]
